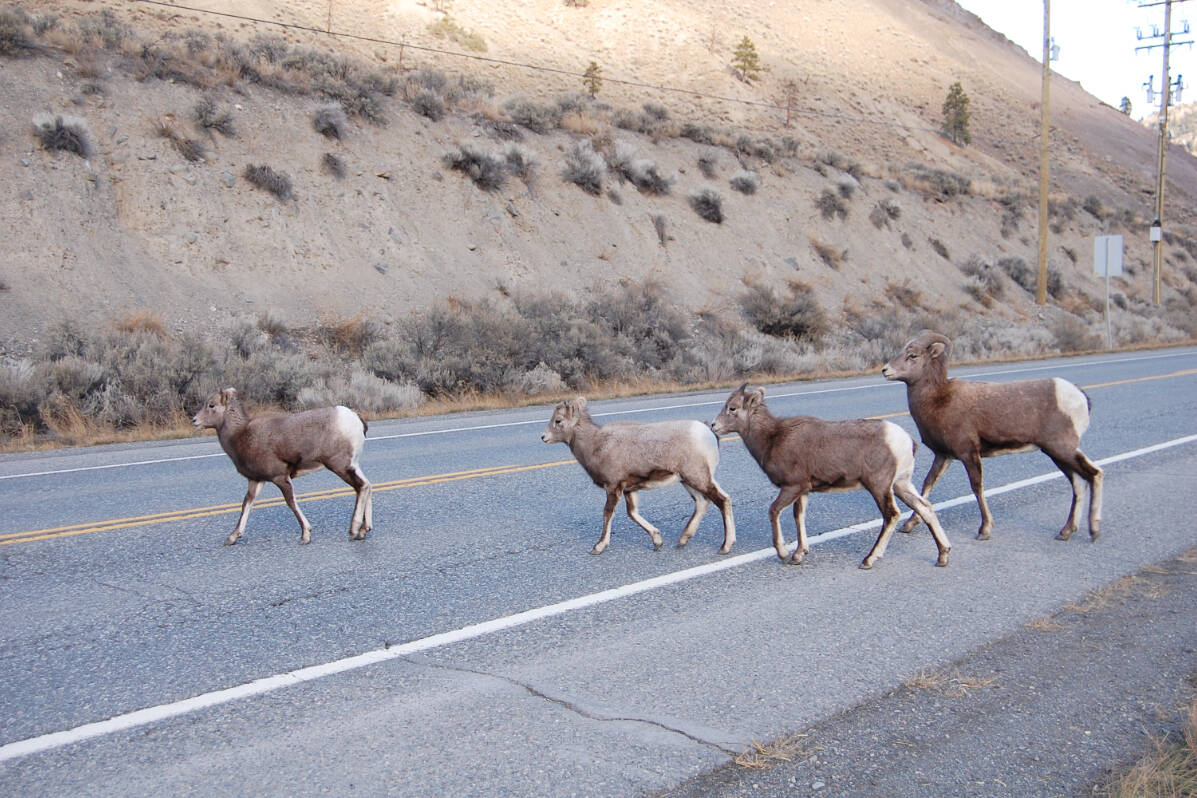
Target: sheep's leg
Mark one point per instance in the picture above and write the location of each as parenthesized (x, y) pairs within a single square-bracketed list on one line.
[(1079, 468), (972, 464), (362, 520), (787, 496), (800, 548), (251, 496), (923, 509), (723, 502), (1090, 471), (631, 500), (1074, 478), (889, 518), (938, 466), (613, 497), (701, 503), (305, 529)]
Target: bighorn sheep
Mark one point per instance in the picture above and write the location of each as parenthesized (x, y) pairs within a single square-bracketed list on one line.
[(970, 420), (625, 457), (803, 454), (276, 447)]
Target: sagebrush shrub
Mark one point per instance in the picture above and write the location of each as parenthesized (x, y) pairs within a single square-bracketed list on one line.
[(13, 39), (708, 204), (333, 165), (745, 182), (330, 121), (65, 133), (429, 104), (796, 315), (534, 116), (485, 169), (584, 167), (520, 162), (831, 205), (267, 179), (210, 117)]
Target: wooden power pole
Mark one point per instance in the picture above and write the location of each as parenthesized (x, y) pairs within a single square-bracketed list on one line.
[(1158, 246), (1044, 161)]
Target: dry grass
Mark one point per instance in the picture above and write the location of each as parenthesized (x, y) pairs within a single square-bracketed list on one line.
[(949, 682), (142, 321), (1046, 624), (786, 749), (1167, 770), (1115, 593), (833, 257)]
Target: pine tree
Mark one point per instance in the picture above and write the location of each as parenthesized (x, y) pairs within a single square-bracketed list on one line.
[(1125, 106), (955, 115), (745, 61), (592, 79), (789, 98)]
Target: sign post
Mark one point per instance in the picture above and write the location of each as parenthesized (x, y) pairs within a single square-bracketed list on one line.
[(1107, 260)]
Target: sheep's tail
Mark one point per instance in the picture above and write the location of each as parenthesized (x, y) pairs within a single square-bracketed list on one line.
[(365, 426)]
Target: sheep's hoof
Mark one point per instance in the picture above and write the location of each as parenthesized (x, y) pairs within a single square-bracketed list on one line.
[(1094, 534), (230, 540), (725, 550), (908, 527), (865, 565), (942, 562), (597, 550), (982, 536), (1064, 536)]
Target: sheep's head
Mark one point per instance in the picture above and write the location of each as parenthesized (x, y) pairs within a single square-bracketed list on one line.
[(211, 414), (565, 419), (926, 350), (737, 410)]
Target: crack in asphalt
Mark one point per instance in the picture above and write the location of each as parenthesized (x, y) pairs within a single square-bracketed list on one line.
[(570, 705)]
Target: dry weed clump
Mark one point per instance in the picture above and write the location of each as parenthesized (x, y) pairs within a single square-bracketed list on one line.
[(584, 167), (796, 314), (1167, 770), (832, 257), (485, 169), (63, 133), (265, 178), (191, 149), (708, 204)]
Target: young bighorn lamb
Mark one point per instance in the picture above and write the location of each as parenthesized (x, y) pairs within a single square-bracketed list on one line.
[(970, 420), (803, 454), (276, 447), (625, 457)]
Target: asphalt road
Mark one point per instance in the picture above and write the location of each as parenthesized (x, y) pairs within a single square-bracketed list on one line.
[(471, 645)]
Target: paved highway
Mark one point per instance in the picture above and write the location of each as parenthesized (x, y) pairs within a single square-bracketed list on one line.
[(471, 645)]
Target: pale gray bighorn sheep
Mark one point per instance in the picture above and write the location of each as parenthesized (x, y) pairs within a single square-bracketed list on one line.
[(969, 420), (275, 447), (625, 457), (802, 454)]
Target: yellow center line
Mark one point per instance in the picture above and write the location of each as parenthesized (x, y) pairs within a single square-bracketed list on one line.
[(224, 509), (132, 522)]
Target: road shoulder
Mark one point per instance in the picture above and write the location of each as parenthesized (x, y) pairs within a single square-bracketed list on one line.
[(1048, 710)]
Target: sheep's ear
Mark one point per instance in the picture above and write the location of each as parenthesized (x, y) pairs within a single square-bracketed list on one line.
[(579, 403), (228, 395), (936, 349), (743, 388), (755, 398)]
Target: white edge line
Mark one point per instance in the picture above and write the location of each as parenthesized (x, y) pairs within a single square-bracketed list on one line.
[(654, 409), (268, 684)]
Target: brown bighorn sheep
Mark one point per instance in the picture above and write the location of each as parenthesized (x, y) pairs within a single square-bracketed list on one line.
[(625, 457), (970, 420), (276, 447), (803, 454)]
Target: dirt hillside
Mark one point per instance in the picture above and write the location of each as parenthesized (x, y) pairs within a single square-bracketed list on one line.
[(137, 227)]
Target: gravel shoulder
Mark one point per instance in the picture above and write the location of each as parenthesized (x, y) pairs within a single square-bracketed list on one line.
[(1051, 710)]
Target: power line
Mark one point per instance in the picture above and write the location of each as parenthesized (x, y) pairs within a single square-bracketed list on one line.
[(826, 115)]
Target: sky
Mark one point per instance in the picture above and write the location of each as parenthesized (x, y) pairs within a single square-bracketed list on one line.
[(1097, 43)]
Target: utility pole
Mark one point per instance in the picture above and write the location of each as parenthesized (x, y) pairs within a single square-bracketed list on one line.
[(1044, 161), (1157, 237)]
